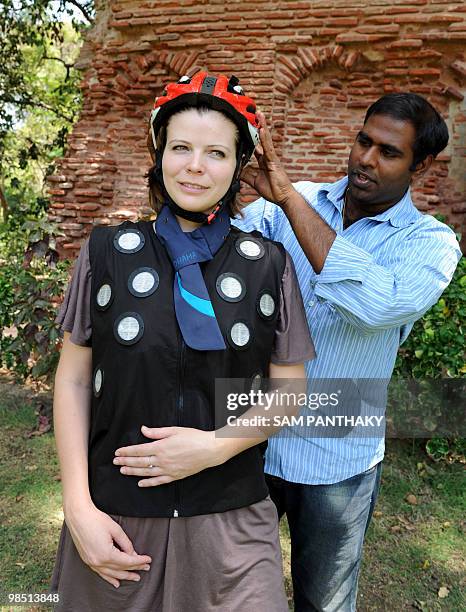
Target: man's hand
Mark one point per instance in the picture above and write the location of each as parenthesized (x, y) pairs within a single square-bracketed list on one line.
[(270, 180), (95, 534), (178, 452)]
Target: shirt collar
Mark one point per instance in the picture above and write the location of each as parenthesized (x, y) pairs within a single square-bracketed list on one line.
[(402, 214)]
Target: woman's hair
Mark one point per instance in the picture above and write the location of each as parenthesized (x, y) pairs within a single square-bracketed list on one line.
[(155, 193)]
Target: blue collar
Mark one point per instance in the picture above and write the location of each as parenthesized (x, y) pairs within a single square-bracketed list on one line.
[(401, 214)]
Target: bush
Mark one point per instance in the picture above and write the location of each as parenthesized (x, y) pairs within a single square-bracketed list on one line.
[(30, 286), (435, 347)]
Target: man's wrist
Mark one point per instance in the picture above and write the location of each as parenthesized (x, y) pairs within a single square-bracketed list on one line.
[(291, 200)]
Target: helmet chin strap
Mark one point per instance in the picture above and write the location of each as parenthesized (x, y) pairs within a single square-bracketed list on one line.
[(199, 217)]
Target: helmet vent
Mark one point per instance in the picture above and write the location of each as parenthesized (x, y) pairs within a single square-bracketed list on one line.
[(208, 85), (232, 83)]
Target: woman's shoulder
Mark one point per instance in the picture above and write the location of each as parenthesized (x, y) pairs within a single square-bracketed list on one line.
[(253, 245), (240, 236), (106, 233), (109, 229)]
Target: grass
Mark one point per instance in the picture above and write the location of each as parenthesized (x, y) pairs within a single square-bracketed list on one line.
[(411, 551), (30, 501)]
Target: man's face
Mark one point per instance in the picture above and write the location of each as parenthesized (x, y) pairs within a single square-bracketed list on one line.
[(379, 162)]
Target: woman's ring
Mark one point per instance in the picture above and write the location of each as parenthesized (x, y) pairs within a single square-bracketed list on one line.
[(151, 465)]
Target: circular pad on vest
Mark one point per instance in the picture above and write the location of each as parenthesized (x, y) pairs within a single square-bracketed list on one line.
[(239, 335), (104, 296), (256, 382), (143, 282), (128, 328), (230, 287), (98, 381), (266, 305), (129, 241), (249, 248)]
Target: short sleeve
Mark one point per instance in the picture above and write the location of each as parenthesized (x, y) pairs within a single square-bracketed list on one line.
[(74, 315), (293, 343)]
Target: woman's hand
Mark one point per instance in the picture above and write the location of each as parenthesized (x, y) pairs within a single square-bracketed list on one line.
[(270, 180), (95, 534), (177, 453)]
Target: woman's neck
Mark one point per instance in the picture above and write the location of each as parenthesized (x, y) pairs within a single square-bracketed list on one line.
[(187, 226)]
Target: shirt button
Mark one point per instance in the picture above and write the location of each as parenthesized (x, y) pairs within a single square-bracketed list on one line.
[(312, 303)]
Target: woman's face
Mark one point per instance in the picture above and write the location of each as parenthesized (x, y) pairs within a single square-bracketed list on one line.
[(199, 158)]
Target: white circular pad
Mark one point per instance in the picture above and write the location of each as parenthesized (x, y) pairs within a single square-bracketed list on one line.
[(240, 334), (267, 305), (104, 295), (128, 328)]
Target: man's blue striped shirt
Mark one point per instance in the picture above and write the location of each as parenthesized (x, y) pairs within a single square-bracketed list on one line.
[(381, 274)]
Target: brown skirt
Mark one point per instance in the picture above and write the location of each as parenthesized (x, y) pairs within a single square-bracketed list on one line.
[(223, 562)]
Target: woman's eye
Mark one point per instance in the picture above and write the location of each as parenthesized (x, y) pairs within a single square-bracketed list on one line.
[(217, 153), (180, 148)]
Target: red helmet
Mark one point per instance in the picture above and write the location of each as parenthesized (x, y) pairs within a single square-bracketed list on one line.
[(218, 93)]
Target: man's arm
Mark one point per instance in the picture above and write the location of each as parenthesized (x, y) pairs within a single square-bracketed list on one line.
[(372, 296), (271, 181), (368, 295)]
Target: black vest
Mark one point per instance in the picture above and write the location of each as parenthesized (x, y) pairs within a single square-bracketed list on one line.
[(143, 372)]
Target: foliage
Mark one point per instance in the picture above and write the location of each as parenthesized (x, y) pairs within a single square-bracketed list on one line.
[(30, 285), (30, 30), (435, 350), (39, 93), (40, 100), (435, 347), (440, 449)]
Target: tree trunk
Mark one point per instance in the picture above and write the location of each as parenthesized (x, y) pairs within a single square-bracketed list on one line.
[(4, 204)]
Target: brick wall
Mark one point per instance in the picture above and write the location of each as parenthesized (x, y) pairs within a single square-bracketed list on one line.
[(314, 68)]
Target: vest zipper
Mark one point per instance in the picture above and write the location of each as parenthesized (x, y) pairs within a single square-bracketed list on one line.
[(180, 412)]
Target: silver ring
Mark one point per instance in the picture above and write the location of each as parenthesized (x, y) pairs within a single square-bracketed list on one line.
[(151, 465)]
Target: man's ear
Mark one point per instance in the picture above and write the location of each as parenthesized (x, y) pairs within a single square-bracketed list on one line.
[(422, 167)]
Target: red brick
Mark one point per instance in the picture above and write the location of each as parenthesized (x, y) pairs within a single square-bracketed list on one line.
[(406, 43), (410, 19), (459, 67), (342, 21), (361, 38), (425, 72), (455, 93), (90, 193), (445, 18), (380, 29)]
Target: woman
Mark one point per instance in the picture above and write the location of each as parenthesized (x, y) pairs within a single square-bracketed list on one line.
[(165, 504)]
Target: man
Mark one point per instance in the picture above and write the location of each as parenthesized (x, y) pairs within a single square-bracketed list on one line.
[(369, 265)]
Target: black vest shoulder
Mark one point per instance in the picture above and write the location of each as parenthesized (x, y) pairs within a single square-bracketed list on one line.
[(144, 374)]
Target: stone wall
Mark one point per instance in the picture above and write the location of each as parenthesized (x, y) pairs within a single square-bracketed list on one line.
[(314, 68)]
